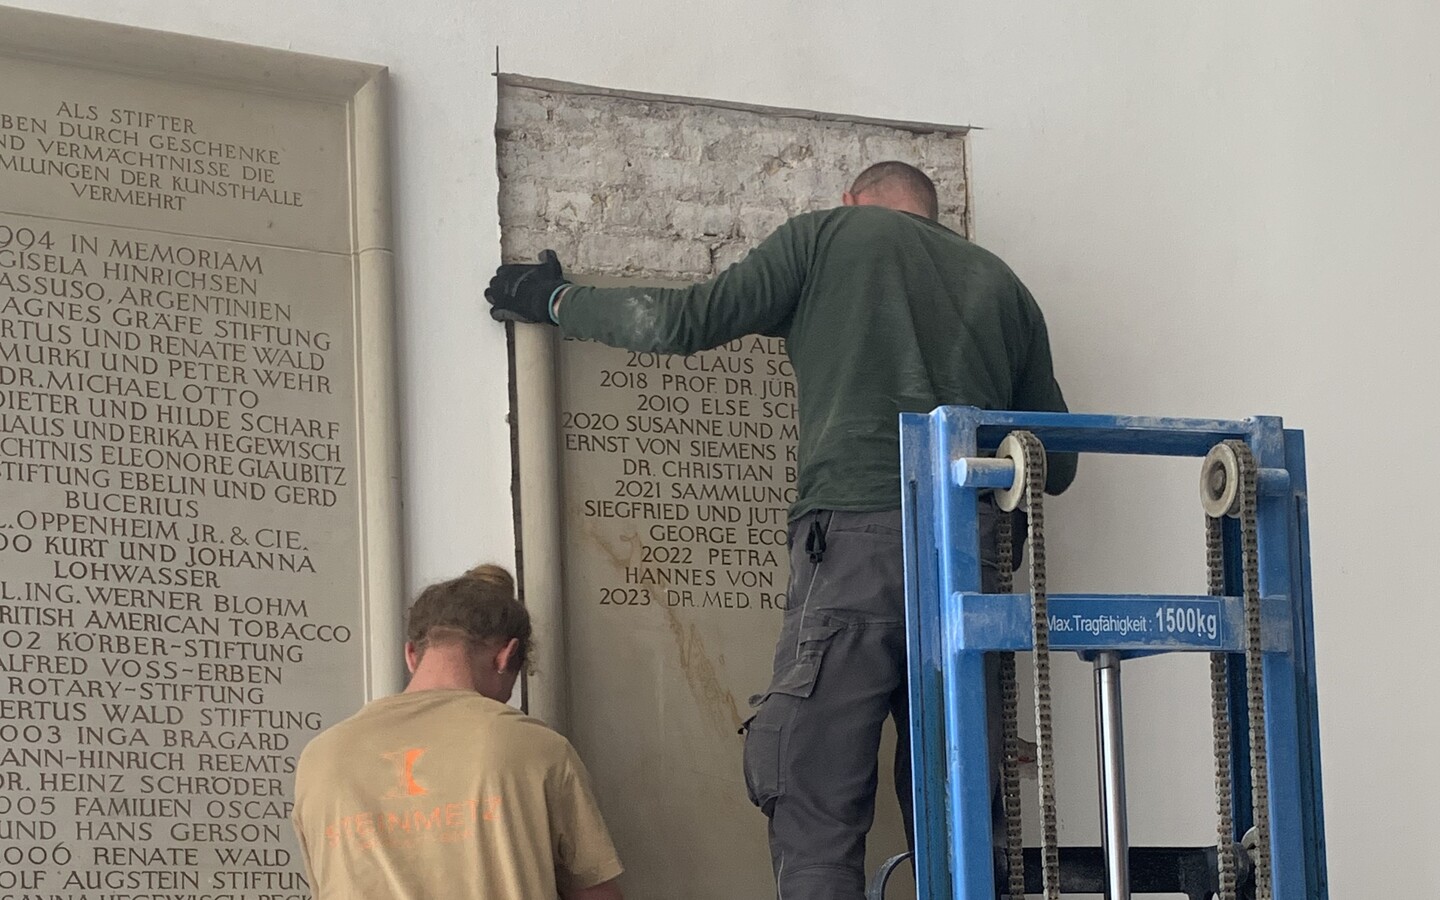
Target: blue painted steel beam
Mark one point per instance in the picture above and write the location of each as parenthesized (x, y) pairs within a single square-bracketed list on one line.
[(1312, 793), (922, 592), (1282, 727), (967, 750), (1071, 433), (987, 472), (1155, 622)]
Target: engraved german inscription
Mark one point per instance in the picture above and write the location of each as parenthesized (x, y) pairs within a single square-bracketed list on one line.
[(682, 469), (178, 452)]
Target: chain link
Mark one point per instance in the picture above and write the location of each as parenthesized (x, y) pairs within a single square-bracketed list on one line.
[(1254, 682), (1009, 699), (1034, 455), (1220, 719), (1040, 628), (1254, 669)]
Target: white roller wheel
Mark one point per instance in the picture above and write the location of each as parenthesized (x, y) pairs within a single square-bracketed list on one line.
[(1220, 482), (1251, 844), (1010, 498)]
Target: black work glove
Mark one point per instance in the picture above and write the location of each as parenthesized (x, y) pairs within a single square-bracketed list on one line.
[(521, 292)]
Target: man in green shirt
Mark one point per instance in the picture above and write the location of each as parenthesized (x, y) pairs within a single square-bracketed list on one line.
[(883, 310)]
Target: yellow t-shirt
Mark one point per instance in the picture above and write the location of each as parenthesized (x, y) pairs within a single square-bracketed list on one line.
[(447, 794)]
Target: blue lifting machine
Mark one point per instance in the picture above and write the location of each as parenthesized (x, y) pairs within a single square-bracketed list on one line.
[(949, 460)]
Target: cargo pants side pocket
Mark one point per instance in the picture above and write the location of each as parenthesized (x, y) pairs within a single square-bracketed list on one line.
[(762, 764), (775, 713)]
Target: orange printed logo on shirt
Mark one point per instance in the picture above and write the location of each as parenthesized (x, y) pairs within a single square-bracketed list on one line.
[(405, 783), (443, 823)]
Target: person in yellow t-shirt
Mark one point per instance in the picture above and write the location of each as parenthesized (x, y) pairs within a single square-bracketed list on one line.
[(444, 790)]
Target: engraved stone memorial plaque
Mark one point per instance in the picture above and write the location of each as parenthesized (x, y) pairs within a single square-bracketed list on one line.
[(662, 482), (198, 550), (678, 472)]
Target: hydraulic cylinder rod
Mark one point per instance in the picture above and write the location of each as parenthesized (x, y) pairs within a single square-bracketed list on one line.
[(1110, 753)]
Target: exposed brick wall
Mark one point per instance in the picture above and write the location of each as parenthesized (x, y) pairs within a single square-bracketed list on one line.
[(672, 188)]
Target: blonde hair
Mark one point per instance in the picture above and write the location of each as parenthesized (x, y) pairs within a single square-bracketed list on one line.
[(479, 606)]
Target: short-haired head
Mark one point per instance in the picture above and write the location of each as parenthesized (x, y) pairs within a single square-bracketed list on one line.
[(477, 608), (895, 185)]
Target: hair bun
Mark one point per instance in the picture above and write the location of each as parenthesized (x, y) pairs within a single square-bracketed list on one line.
[(493, 576)]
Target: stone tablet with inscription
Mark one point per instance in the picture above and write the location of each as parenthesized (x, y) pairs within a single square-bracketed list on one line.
[(185, 556), (672, 475), (678, 472)]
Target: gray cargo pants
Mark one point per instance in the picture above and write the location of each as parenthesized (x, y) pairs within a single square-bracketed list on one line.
[(811, 747)]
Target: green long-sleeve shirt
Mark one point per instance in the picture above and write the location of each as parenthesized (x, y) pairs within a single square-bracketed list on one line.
[(882, 312)]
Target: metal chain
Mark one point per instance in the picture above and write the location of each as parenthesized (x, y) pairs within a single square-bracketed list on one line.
[(1220, 718), (1254, 669), (1009, 698), (1040, 627), (1254, 672)]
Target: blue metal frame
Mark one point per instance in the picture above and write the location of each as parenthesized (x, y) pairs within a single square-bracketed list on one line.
[(952, 625)]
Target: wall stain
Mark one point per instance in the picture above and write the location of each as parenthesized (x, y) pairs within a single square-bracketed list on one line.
[(703, 677), (702, 674), (594, 533)]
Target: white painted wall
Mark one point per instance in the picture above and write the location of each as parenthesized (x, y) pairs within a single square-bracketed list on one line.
[(1225, 208)]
